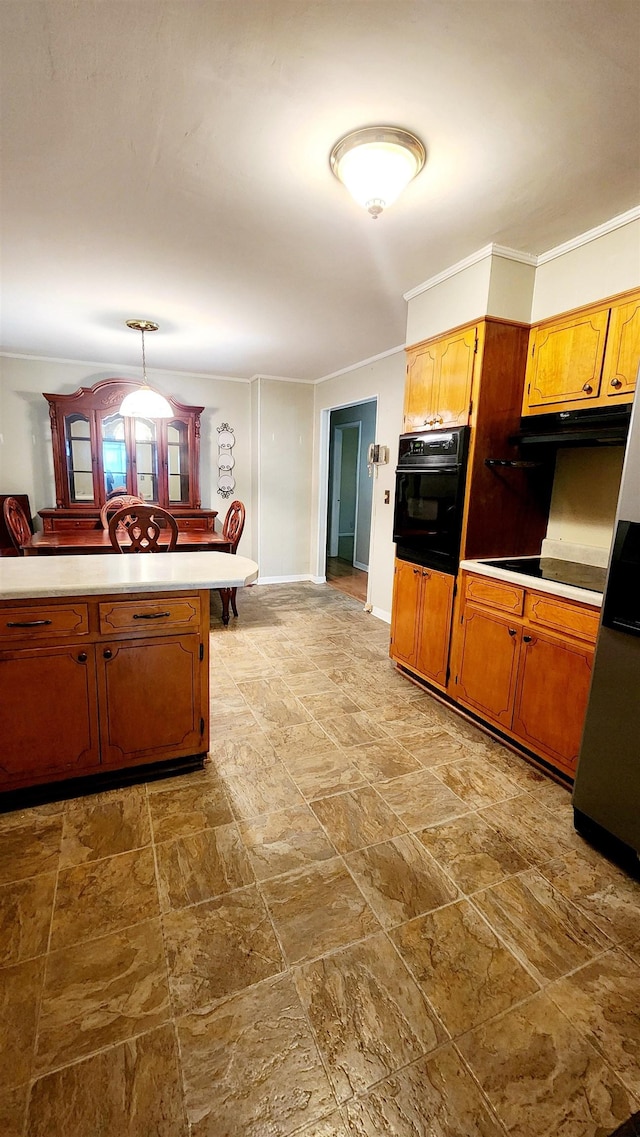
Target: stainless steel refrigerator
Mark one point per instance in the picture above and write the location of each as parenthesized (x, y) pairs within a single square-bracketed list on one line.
[(607, 786)]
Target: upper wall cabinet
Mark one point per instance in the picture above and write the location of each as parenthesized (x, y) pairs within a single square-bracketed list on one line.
[(439, 377), (96, 451), (589, 357)]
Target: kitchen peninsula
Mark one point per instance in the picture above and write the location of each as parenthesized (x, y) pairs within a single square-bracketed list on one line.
[(104, 663)]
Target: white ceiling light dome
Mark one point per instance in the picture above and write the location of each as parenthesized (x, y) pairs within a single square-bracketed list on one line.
[(376, 163), (144, 402)]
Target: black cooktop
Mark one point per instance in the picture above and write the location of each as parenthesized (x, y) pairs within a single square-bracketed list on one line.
[(549, 568)]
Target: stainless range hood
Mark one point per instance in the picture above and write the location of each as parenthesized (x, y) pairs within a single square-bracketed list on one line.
[(589, 426)]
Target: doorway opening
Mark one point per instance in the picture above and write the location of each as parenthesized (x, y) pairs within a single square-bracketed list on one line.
[(349, 498)]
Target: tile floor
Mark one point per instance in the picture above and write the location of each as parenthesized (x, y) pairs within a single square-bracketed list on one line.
[(363, 918)]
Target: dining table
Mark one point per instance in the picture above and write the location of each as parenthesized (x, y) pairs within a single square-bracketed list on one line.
[(79, 541)]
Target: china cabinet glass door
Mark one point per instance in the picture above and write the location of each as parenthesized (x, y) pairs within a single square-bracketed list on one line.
[(146, 459), (178, 462), (114, 454), (77, 429)]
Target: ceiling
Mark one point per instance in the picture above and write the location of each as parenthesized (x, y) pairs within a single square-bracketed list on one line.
[(169, 160)]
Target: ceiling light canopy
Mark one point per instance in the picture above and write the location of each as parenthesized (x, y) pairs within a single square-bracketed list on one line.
[(376, 163), (145, 403)]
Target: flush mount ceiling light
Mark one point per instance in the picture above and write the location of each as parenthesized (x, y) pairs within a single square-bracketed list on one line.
[(145, 403), (376, 163)]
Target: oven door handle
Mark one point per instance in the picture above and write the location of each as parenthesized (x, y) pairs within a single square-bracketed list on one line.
[(429, 469)]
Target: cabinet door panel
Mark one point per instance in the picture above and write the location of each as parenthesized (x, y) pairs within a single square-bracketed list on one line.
[(151, 694), (488, 664), (407, 591), (566, 364), (551, 698), (435, 626), (420, 390), (48, 713), (457, 355), (623, 351)]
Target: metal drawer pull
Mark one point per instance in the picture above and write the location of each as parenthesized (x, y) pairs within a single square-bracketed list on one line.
[(150, 615), (27, 623)]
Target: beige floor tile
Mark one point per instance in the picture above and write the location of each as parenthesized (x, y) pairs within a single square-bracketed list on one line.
[(543, 929), (400, 879), (130, 1090), (20, 990), (317, 775), (602, 1000), (318, 909), (102, 826), (233, 757), (353, 729), (473, 853), (100, 897), (532, 830), (294, 741), (382, 761), (30, 849), (251, 1066), (434, 1097), (604, 893), (219, 947), (311, 683), (25, 918), (421, 800), (368, 1015), (93, 999), (283, 841), (477, 782), (357, 818), (13, 1107), (465, 971), (517, 768), (273, 703), (542, 1078), (432, 746), (327, 705), (251, 795), (201, 866), (179, 812), (554, 797), (333, 1126)]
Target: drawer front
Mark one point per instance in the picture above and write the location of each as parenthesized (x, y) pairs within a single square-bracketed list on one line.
[(200, 524), (75, 525), (31, 622), (559, 615), (150, 617), (495, 593)]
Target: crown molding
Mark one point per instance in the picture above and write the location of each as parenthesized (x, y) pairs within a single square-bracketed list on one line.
[(591, 235), (279, 379), (473, 259), (102, 366), (362, 363)]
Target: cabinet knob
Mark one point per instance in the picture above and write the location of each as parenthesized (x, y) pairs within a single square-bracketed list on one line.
[(527, 639), (616, 383), (82, 657), (416, 572), (107, 654), (587, 388), (512, 631), (425, 573), (438, 419)]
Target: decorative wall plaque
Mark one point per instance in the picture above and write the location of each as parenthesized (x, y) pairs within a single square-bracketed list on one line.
[(226, 461)]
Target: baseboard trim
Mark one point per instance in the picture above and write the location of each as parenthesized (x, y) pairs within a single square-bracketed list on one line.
[(359, 565), (294, 579), (381, 614)]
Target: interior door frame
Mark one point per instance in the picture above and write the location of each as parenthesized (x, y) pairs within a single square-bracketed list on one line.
[(336, 486)]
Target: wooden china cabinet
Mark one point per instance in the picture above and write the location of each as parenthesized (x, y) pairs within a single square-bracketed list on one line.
[(98, 452)]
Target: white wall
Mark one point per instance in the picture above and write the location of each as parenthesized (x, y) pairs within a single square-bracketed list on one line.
[(26, 461), (285, 433), (457, 300), (382, 379), (602, 267)]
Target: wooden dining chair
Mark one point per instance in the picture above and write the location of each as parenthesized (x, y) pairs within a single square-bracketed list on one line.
[(137, 528), (231, 532), (17, 523), (116, 502)]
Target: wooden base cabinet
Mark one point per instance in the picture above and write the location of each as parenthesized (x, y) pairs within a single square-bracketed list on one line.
[(91, 684), (522, 661), (421, 621)]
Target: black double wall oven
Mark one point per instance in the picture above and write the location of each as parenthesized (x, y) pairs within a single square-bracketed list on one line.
[(430, 482)]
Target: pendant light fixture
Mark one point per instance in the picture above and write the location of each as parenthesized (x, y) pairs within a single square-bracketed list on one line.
[(145, 403), (376, 163)]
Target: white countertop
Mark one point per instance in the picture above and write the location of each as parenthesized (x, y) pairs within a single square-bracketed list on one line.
[(555, 587), (25, 578)]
